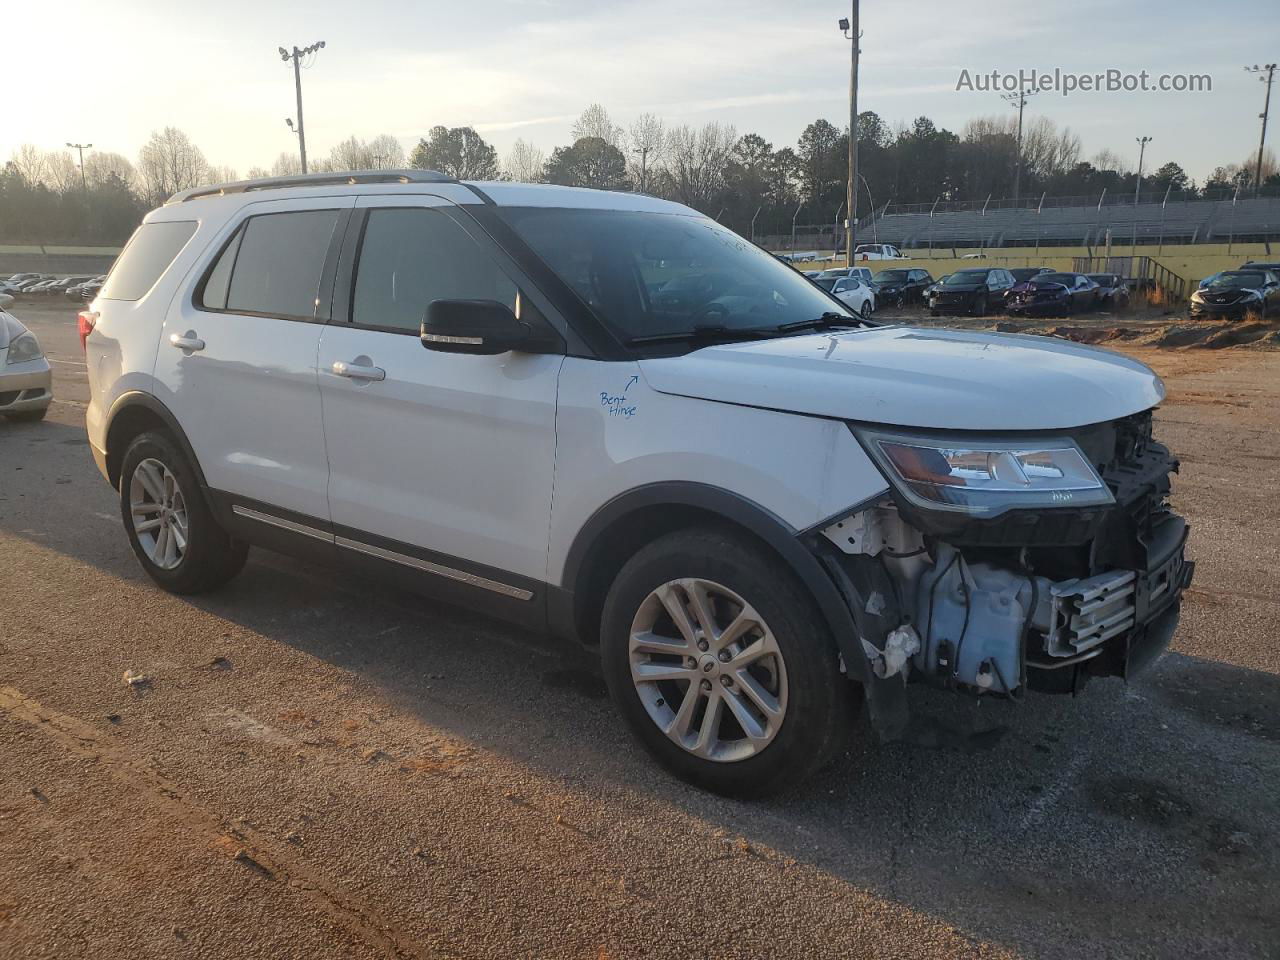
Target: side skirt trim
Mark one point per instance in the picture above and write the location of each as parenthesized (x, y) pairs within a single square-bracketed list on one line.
[(440, 570), (283, 524), (427, 566)]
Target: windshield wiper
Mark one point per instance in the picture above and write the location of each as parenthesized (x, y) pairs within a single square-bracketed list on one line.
[(827, 321), (716, 331)]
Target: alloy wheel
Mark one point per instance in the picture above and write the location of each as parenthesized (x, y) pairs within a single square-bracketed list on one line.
[(159, 512), (708, 670)]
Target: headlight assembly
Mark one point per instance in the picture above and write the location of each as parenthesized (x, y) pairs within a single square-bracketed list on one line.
[(23, 348), (986, 478)]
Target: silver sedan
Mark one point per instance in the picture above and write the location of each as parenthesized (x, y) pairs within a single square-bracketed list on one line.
[(26, 384)]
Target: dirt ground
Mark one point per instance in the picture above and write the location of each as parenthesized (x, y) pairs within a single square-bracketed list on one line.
[(320, 767)]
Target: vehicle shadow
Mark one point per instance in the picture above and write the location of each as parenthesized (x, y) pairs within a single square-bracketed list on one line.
[(1136, 820)]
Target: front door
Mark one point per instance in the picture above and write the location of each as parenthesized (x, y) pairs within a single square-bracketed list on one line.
[(436, 460)]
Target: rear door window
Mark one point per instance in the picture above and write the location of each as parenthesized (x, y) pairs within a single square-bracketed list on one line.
[(145, 258), (277, 263)]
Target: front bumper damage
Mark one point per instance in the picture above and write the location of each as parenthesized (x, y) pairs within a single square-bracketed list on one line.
[(1032, 600)]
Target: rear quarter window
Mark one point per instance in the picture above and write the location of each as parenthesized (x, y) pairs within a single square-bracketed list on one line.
[(145, 258)]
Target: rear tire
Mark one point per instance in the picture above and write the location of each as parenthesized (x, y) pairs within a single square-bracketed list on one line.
[(172, 531), (865, 312), (781, 656)]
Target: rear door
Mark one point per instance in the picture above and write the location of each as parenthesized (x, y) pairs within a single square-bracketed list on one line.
[(238, 358), (440, 462)]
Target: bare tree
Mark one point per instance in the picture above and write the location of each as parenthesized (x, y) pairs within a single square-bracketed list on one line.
[(286, 164), (696, 160), (648, 144), (595, 122), (386, 152), (220, 174), (29, 161), (524, 163), (1108, 159), (257, 173), (169, 162), (61, 173), (350, 154), (101, 167)]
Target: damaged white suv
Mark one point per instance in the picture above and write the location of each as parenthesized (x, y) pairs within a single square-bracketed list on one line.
[(608, 417)]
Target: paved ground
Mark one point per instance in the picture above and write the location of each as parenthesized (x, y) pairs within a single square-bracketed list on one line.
[(322, 768)]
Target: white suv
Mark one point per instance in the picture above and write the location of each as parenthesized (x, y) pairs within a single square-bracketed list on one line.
[(608, 417)]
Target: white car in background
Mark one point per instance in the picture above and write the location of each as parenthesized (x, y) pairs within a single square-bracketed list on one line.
[(855, 294), (26, 383)]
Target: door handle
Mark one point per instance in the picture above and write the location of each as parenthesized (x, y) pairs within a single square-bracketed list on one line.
[(357, 371), (187, 341)]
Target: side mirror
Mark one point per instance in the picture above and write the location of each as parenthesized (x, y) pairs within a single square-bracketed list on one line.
[(483, 327)]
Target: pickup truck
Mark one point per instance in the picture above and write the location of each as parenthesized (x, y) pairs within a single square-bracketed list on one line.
[(877, 251)]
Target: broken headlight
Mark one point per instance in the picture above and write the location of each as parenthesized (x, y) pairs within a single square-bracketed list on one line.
[(986, 477)]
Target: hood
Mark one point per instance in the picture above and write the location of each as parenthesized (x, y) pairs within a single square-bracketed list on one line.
[(931, 379), (966, 287)]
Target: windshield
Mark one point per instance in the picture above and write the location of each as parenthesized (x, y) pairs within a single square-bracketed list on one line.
[(891, 276), (645, 274), (1067, 279), (1236, 279), (965, 276), (826, 283)]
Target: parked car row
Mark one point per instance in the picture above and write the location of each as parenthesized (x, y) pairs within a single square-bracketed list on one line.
[(1026, 291), (82, 287)]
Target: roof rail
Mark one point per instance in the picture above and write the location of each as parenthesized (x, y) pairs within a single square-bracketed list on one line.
[(348, 177)]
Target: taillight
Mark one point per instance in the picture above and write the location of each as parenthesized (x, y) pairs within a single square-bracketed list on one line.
[(85, 321)]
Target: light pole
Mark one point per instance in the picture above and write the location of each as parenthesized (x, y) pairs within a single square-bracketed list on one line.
[(850, 29), (296, 56), (1019, 100), (1270, 71), (1142, 152), (82, 147), (1137, 189)]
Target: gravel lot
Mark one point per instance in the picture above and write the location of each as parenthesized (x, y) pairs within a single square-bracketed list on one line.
[(321, 767)]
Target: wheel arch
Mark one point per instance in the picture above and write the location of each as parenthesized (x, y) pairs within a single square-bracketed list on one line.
[(134, 413), (630, 520)]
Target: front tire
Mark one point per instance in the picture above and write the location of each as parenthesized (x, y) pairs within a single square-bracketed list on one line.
[(170, 526), (721, 665)]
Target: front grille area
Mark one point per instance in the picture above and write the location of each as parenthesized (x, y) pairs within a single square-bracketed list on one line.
[(7, 397)]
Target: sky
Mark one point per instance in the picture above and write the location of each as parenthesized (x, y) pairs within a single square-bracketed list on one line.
[(109, 73)]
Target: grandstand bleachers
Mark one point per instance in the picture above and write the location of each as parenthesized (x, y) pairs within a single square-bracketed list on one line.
[(1191, 221)]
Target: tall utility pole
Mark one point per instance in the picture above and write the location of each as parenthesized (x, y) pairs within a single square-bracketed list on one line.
[(82, 147), (1270, 71), (644, 159), (850, 29), (1019, 100), (296, 56)]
